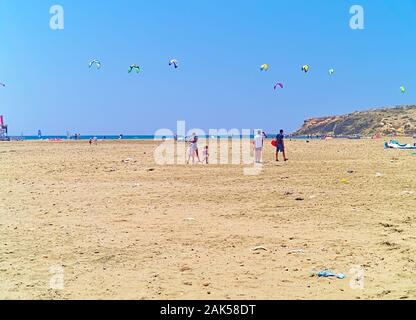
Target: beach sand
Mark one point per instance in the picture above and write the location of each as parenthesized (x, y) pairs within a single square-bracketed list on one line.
[(137, 230)]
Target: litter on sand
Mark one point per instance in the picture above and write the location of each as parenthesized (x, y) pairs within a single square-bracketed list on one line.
[(260, 248), (328, 274), (301, 251)]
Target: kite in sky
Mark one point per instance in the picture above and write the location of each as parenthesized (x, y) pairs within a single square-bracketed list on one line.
[(95, 62), (174, 63), (278, 85), (264, 67), (134, 67)]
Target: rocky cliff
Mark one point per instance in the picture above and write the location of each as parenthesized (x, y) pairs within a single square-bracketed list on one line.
[(386, 121)]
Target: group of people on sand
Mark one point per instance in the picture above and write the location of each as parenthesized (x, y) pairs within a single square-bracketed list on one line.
[(259, 145), (193, 151), (93, 141)]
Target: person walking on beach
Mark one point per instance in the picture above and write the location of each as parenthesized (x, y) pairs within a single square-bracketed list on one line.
[(191, 153), (280, 145), (205, 155), (258, 146), (194, 141), (193, 149)]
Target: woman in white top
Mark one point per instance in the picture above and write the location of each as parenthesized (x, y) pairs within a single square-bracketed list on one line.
[(193, 148), (194, 141)]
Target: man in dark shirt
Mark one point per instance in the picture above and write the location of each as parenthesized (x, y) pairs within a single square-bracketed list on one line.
[(280, 145)]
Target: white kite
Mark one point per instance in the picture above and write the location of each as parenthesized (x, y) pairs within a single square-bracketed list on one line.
[(174, 63)]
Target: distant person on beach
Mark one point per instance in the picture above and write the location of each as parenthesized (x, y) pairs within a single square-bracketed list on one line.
[(258, 146), (206, 155), (194, 141), (190, 153), (90, 141), (280, 145)]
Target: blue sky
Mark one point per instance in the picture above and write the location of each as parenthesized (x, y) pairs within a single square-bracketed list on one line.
[(220, 45)]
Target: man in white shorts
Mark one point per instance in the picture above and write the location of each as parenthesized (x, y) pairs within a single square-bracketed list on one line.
[(258, 145)]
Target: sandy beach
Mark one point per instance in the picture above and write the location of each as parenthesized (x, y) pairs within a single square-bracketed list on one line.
[(137, 230)]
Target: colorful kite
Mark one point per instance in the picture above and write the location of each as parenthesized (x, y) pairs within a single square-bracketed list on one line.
[(278, 85), (264, 67), (134, 67)]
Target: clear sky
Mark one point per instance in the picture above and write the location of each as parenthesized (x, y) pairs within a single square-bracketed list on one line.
[(220, 45)]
